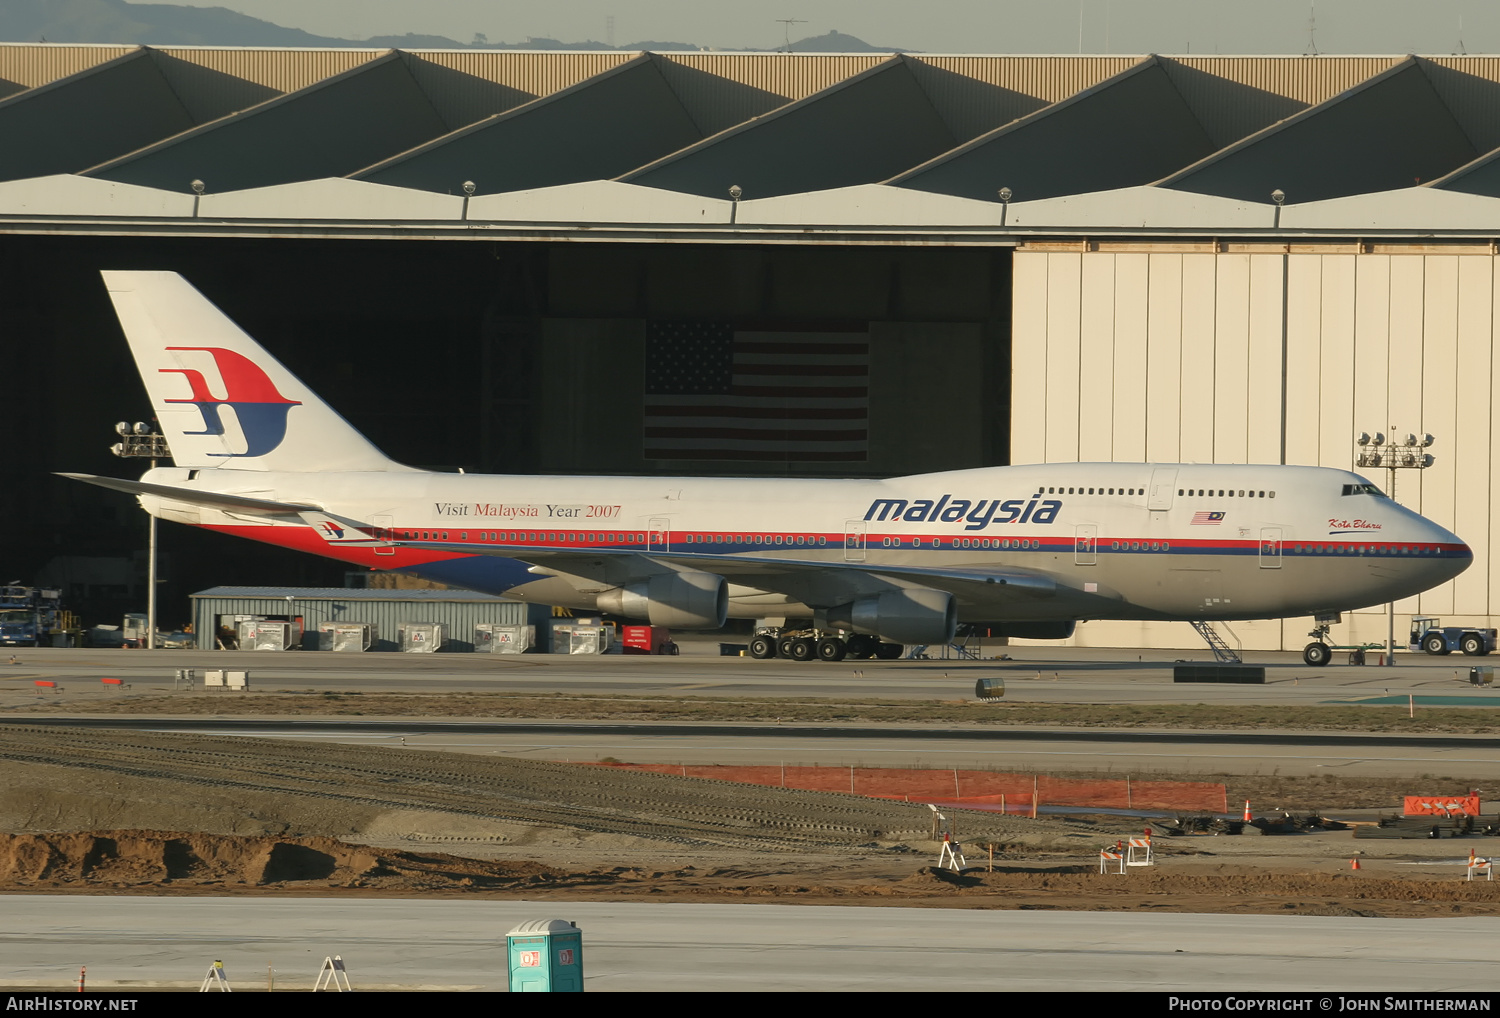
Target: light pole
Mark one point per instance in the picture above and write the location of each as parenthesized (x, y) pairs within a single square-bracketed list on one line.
[(139, 441), (1392, 454)]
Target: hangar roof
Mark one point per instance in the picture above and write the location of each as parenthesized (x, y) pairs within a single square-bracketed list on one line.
[(825, 147)]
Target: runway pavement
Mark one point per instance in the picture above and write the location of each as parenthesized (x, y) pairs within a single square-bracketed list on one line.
[(171, 941), (1049, 675)]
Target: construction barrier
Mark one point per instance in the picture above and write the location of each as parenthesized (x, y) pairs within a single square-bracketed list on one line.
[(1138, 852), (982, 790), (1477, 865), (951, 856), (333, 976), (1442, 805), (216, 979), (1107, 856)]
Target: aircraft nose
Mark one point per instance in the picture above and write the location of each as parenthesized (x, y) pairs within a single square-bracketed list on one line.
[(1453, 554)]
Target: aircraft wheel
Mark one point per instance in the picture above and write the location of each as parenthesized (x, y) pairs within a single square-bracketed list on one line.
[(861, 647), (1317, 654), (888, 651), (803, 650), (1472, 645), (762, 647), (1435, 644), (831, 649), (784, 646)]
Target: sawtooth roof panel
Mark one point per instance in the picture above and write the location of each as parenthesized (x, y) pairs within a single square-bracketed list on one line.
[(599, 201), (332, 129), (596, 130), (1140, 207), (283, 70), (1470, 87), (95, 115), (469, 85), (31, 65), (331, 198), (1236, 96), (859, 131), (1392, 131), (68, 195), (1132, 129), (1410, 208), (868, 205), (975, 94)]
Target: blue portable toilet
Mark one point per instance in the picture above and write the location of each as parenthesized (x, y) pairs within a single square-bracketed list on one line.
[(545, 956)]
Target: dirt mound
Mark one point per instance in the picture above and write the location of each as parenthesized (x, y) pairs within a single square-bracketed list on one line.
[(132, 858)]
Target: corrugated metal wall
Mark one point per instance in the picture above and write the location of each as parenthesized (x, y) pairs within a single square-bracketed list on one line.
[(387, 615), (1176, 357)]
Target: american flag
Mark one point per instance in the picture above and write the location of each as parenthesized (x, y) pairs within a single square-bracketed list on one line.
[(1214, 518), (714, 393)]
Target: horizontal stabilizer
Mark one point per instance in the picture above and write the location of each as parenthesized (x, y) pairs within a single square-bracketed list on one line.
[(193, 496), (337, 530)]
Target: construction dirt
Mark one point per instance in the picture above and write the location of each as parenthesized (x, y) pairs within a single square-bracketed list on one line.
[(180, 813)]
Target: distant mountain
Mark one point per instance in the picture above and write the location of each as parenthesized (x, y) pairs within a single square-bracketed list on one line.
[(115, 21), (838, 42)]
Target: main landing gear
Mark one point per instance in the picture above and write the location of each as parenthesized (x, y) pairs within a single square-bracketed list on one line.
[(807, 644)]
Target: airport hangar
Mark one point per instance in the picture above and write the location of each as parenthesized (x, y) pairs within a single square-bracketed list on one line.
[(1133, 294)]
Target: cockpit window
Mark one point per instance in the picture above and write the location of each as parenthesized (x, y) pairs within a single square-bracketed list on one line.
[(1363, 489)]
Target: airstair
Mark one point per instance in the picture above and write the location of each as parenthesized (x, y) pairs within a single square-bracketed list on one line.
[(1223, 652)]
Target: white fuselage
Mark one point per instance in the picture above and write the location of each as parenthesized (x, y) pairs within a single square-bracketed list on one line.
[(1119, 540)]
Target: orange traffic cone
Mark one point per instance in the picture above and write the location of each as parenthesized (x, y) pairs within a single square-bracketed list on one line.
[(1354, 863), (1248, 818)]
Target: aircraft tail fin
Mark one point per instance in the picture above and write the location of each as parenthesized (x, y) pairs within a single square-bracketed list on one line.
[(221, 399)]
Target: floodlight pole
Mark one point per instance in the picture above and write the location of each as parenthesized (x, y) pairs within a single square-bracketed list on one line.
[(139, 441), (1380, 451)]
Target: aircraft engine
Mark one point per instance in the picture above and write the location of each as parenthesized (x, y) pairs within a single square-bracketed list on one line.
[(686, 600), (901, 616), (1049, 630)]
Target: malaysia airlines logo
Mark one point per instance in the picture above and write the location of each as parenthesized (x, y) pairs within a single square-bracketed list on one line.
[(1207, 518), (332, 531), (259, 408)]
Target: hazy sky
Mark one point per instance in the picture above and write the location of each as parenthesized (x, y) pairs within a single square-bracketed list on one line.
[(934, 26)]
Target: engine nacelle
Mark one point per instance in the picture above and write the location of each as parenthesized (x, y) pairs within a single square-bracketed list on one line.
[(688, 600), (1050, 630), (901, 616)]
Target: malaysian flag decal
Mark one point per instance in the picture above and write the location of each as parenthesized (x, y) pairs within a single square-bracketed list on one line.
[(1207, 518), (716, 393)]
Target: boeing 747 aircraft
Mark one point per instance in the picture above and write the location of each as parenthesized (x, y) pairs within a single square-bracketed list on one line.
[(860, 566)]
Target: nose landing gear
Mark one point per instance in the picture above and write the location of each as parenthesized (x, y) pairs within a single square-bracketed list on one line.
[(1318, 653)]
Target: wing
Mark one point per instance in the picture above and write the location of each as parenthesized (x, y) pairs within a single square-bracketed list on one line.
[(817, 583)]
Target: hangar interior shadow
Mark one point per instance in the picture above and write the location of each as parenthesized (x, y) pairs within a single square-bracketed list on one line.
[(494, 357)]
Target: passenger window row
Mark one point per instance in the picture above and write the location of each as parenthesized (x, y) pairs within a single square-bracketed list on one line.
[(1226, 493), (1079, 490)]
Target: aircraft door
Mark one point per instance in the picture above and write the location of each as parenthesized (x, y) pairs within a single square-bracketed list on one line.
[(383, 531), (1086, 544), (1163, 480), (658, 534), (854, 540), (1270, 547)]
